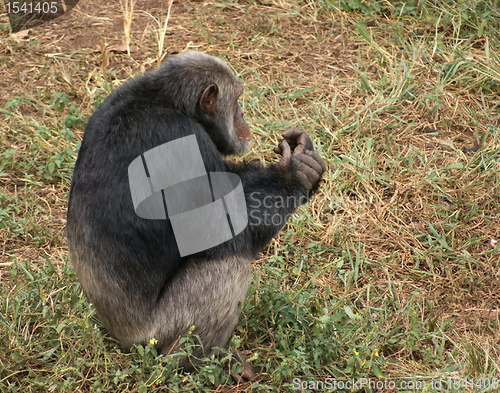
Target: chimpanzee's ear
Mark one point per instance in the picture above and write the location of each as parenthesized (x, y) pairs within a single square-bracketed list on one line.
[(208, 100)]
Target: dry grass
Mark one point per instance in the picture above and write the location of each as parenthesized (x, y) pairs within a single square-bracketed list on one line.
[(405, 105), (127, 7)]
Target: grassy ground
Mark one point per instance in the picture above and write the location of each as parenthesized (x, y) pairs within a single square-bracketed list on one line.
[(391, 272)]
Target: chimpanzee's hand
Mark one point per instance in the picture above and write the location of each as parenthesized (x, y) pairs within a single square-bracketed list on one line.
[(298, 140), (286, 155), (308, 168)]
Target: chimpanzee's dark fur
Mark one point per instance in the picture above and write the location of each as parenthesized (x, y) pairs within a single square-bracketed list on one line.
[(129, 267)]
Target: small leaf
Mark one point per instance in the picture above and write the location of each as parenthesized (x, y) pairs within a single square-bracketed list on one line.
[(376, 371), (349, 312)]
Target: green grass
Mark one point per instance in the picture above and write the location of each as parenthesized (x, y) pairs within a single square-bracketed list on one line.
[(390, 272)]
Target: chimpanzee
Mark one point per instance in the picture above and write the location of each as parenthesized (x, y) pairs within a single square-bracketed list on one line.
[(130, 268)]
